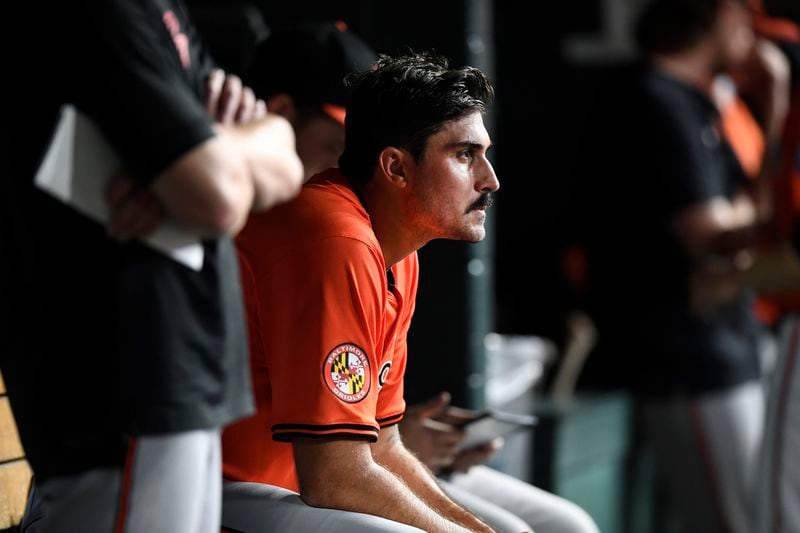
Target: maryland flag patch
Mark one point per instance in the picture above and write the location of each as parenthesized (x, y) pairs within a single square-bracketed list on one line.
[(345, 371)]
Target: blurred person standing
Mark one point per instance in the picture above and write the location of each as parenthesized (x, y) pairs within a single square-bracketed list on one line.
[(122, 365), (670, 219), (778, 478)]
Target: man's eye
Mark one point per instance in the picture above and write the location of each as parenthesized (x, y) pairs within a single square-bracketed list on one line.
[(466, 154)]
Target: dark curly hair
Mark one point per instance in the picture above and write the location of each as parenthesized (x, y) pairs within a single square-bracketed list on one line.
[(401, 102)]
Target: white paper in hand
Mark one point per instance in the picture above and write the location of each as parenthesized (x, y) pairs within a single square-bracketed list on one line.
[(76, 169)]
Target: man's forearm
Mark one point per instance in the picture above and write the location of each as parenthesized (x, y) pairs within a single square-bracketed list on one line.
[(274, 166), (377, 491), (421, 481)]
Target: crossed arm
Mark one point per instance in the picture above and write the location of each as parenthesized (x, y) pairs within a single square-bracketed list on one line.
[(249, 165), (718, 236), (382, 479)]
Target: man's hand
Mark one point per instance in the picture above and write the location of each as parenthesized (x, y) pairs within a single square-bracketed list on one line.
[(229, 102), (466, 459), (232, 104), (135, 212), (432, 431), (433, 442)]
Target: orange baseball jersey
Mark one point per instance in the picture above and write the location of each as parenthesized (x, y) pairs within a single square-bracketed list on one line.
[(328, 326)]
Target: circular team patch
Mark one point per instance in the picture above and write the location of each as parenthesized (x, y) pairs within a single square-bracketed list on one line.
[(346, 373)]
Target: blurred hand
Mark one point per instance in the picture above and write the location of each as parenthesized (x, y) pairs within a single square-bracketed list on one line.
[(432, 431), (135, 212), (432, 441), (229, 102), (466, 459)]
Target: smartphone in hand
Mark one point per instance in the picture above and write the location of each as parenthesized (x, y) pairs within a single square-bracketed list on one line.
[(482, 427)]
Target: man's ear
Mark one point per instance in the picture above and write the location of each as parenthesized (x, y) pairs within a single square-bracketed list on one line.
[(282, 104), (395, 166)]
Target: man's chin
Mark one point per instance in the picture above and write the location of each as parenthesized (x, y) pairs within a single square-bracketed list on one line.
[(471, 233), (474, 234)]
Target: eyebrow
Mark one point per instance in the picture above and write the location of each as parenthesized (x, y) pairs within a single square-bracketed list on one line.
[(466, 144)]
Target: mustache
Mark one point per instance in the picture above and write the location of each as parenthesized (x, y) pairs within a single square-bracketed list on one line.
[(485, 200)]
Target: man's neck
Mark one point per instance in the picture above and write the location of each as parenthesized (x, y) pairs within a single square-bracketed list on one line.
[(396, 238), (694, 66)]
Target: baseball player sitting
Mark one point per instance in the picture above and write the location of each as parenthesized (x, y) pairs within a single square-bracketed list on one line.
[(298, 71), (329, 283)]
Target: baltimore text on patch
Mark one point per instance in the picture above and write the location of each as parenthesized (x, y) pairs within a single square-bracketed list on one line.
[(346, 373)]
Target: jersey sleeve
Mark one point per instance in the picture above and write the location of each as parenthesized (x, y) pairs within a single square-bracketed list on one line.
[(391, 376), (391, 404), (139, 72), (323, 340)]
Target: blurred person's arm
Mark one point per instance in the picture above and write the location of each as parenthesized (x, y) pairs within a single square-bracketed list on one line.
[(775, 271), (718, 227), (342, 474), (269, 151), (718, 236), (214, 187), (265, 143), (143, 74), (765, 81)]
